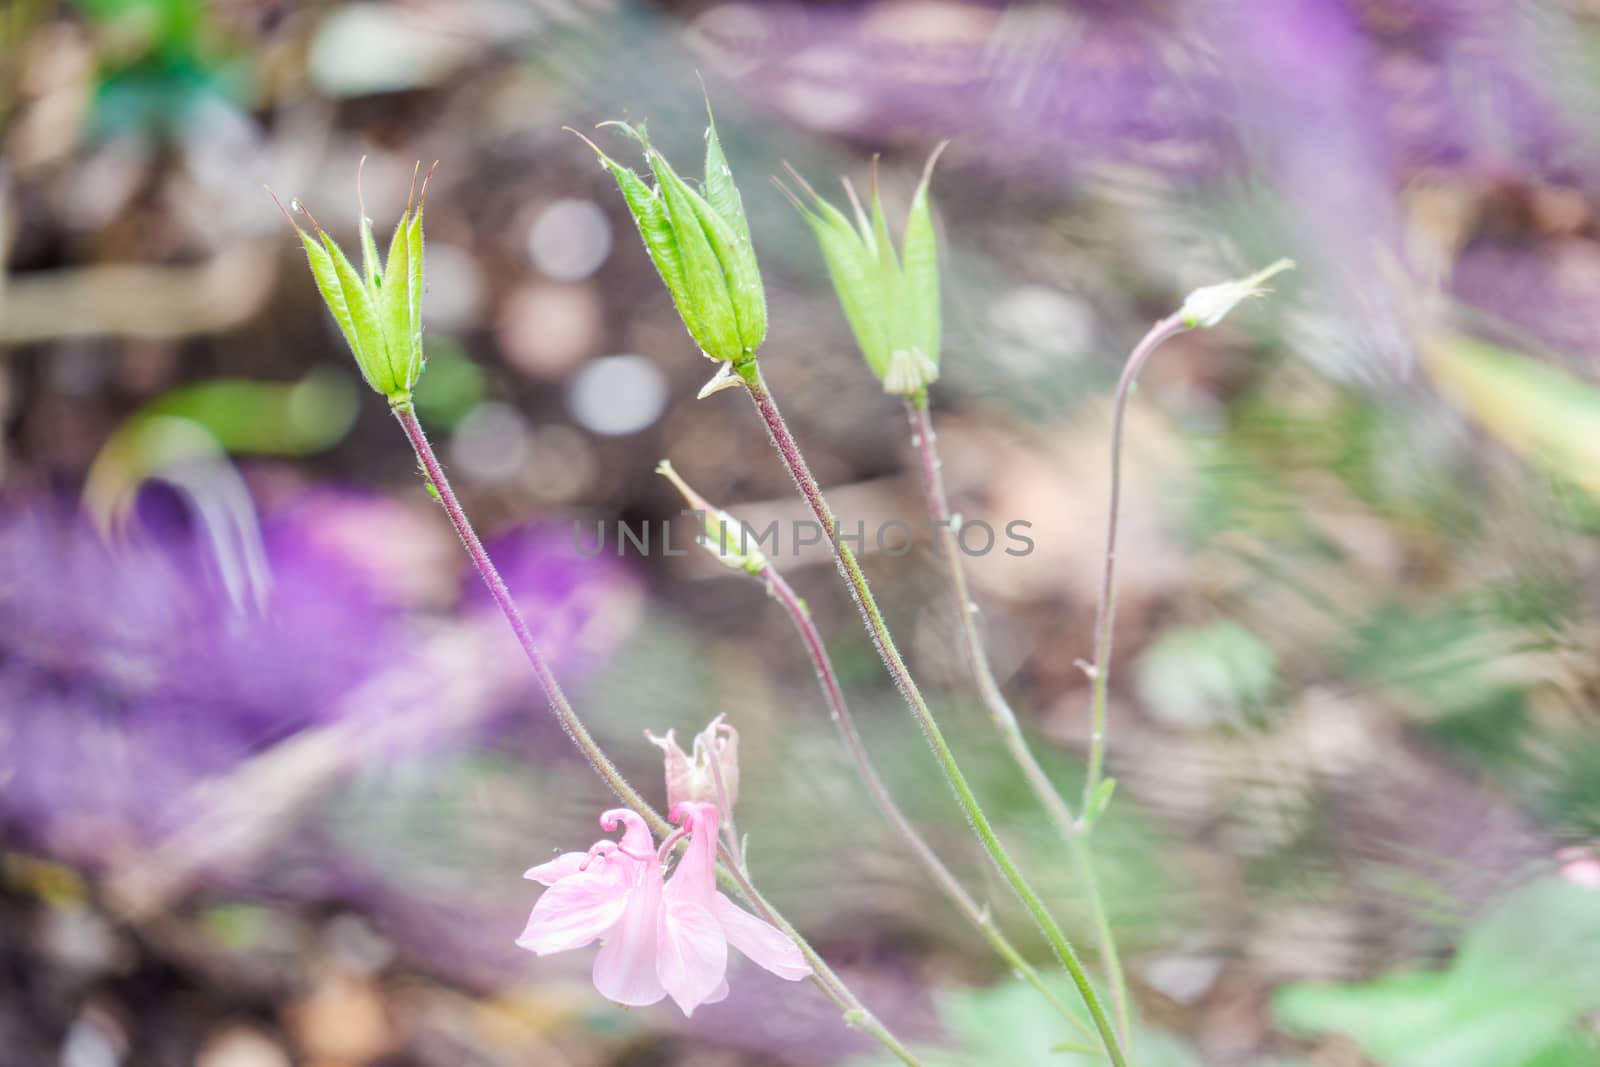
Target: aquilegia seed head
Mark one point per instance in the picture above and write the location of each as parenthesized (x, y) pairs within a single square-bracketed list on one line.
[(692, 776), (660, 937), (891, 302), (379, 309), (700, 244)]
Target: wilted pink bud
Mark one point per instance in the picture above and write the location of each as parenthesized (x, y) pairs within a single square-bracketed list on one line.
[(692, 776)]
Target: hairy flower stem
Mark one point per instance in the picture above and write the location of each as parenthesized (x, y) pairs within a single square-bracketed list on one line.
[(1106, 608), (978, 915), (1072, 833), (503, 599), (829, 982), (861, 592)]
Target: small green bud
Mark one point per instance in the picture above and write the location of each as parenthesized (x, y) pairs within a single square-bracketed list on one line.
[(891, 302), (699, 242), (379, 309), (724, 535), (1210, 304)]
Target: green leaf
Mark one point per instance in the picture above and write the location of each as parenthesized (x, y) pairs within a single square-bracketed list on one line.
[(1080, 1047), (1009, 1023), (1544, 414), (1525, 973), (1101, 799), (1203, 676)]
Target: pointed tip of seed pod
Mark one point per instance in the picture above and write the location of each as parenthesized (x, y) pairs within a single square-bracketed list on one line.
[(411, 197), (361, 203), (422, 194), (596, 148), (927, 168), (789, 194), (638, 133), (283, 209), (315, 225), (800, 180), (855, 201)]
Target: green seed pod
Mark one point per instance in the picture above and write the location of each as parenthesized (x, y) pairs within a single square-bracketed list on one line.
[(890, 301), (379, 309), (700, 244)]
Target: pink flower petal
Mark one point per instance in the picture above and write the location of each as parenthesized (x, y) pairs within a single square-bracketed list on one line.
[(636, 838), (625, 968), (692, 958), (578, 909), (763, 943), (695, 878), (561, 867), (719, 994)]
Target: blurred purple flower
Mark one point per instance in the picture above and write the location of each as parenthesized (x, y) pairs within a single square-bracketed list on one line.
[(1181, 88), (578, 607), (128, 671), (133, 671)]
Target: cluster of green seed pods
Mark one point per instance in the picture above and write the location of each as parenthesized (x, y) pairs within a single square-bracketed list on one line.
[(379, 309), (891, 300), (699, 242)]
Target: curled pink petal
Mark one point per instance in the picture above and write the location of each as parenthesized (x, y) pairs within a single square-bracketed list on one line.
[(692, 953), (695, 878), (636, 837), (625, 968), (578, 909), (763, 943), (568, 863)]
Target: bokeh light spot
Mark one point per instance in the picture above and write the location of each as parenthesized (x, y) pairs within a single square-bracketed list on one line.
[(617, 395)]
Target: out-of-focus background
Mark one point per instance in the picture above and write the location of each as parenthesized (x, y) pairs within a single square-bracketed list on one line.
[(271, 767)]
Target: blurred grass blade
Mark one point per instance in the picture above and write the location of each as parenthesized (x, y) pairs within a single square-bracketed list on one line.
[(1543, 414)]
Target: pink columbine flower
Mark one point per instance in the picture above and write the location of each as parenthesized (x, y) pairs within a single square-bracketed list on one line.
[(691, 776), (660, 938)]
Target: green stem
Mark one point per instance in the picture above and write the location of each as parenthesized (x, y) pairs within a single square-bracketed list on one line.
[(1001, 714), (861, 592), (978, 915), (1106, 606), (831, 985)]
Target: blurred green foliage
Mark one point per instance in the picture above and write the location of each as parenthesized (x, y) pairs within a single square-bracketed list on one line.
[(1513, 996), (1010, 1023), (161, 61), (452, 387), (1216, 674)]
